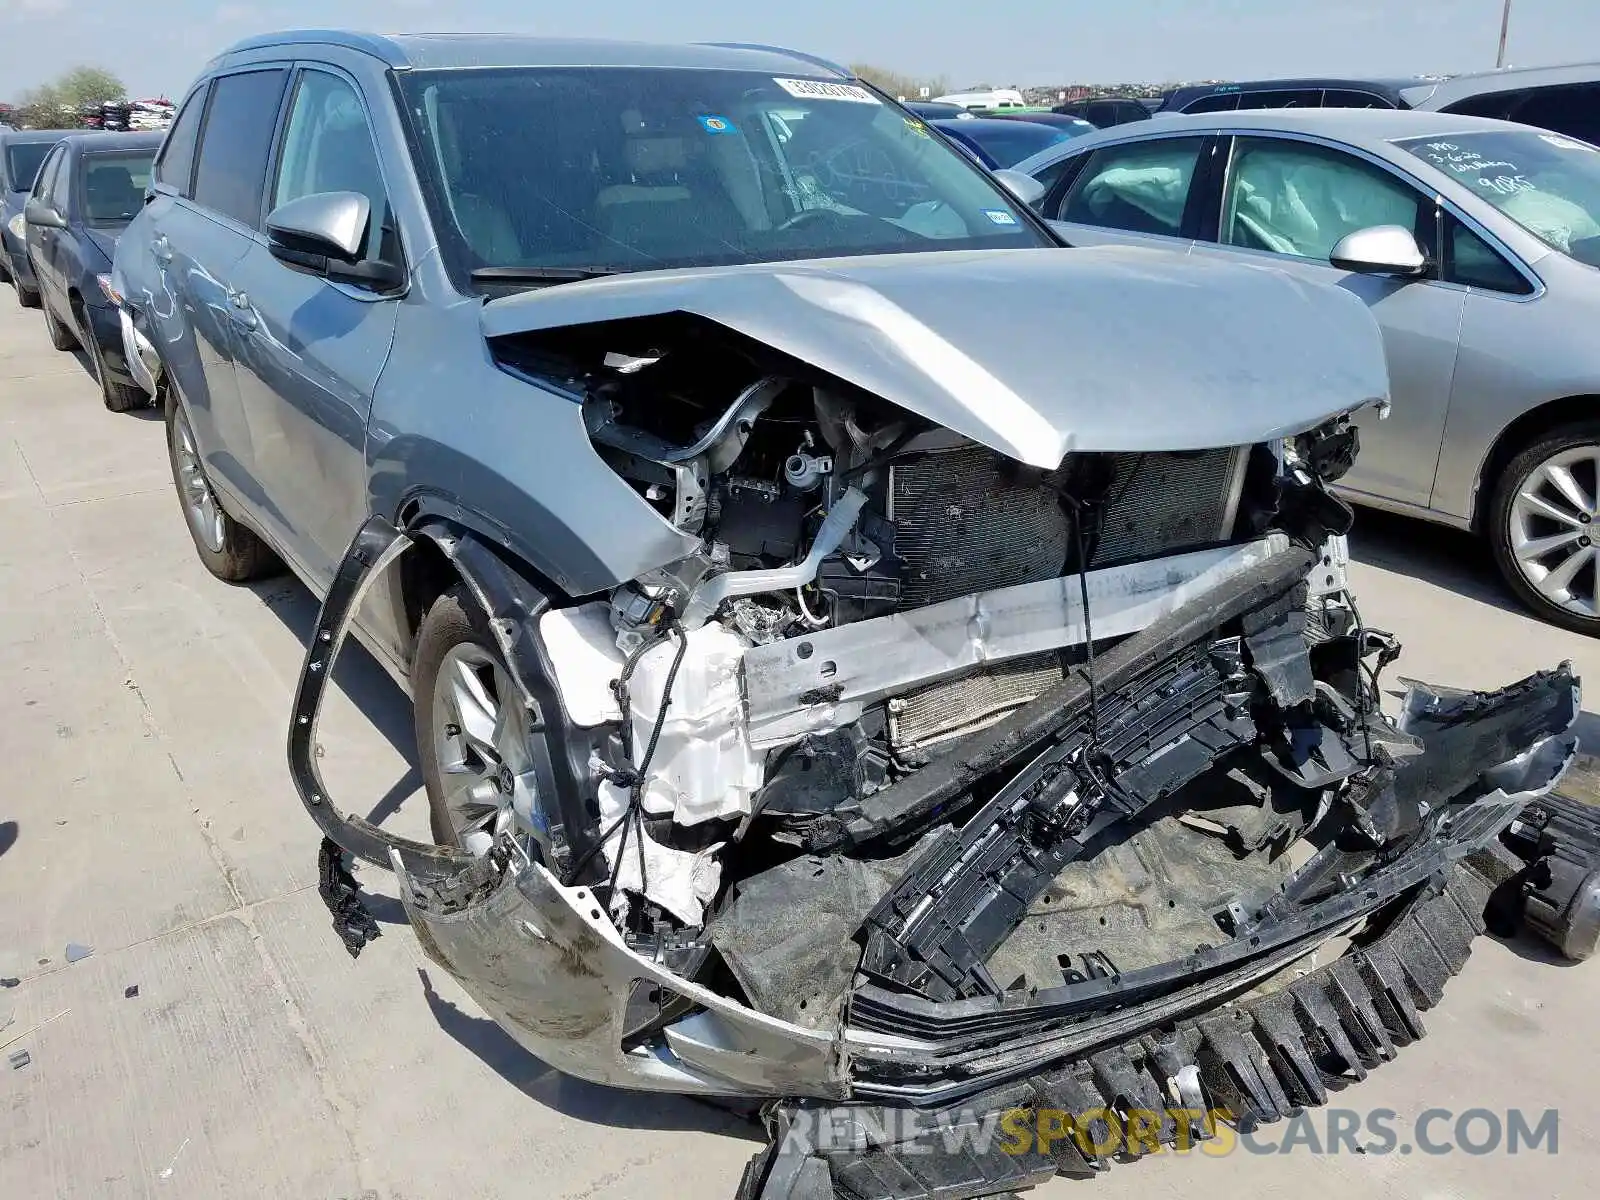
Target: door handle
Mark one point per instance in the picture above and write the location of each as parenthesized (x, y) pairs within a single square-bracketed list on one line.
[(242, 313), (161, 250)]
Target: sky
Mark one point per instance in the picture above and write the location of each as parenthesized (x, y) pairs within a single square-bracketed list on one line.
[(158, 46)]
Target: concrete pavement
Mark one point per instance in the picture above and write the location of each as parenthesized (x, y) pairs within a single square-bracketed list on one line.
[(149, 815)]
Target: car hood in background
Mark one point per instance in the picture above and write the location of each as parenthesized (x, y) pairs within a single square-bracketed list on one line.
[(1032, 352)]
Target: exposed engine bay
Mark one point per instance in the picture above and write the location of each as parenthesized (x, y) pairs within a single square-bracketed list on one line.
[(935, 779), (834, 526)]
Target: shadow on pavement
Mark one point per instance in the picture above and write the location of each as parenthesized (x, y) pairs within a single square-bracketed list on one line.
[(1436, 554), (8, 835), (357, 674), (575, 1098)]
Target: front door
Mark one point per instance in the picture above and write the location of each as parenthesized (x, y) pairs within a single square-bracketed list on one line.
[(1288, 202), (310, 351)]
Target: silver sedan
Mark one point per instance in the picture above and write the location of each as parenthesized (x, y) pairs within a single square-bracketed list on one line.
[(1475, 245)]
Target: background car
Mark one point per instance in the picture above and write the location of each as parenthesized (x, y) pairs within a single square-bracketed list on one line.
[(1105, 111), (932, 110), (21, 154), (1288, 93), (1475, 246), (1075, 126), (88, 190), (1000, 142), (1563, 99)]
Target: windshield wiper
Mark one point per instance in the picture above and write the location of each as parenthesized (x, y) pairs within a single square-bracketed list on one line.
[(540, 274)]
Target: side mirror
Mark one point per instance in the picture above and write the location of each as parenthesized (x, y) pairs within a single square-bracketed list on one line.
[(1381, 250), (37, 212), (324, 233), (1024, 187), (330, 224)]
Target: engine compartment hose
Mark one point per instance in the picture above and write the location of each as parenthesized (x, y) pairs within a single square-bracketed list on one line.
[(706, 598)]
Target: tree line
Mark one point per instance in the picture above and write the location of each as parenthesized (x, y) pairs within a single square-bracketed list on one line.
[(900, 85), (59, 102)]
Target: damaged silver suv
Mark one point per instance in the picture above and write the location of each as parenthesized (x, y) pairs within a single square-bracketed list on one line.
[(866, 658)]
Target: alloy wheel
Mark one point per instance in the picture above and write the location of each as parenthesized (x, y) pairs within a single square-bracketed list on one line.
[(199, 501), (1552, 530), (480, 743)]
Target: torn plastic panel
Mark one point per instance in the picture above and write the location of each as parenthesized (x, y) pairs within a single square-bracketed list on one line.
[(547, 964), (1261, 1060)]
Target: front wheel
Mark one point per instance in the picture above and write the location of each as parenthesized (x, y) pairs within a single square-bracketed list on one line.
[(229, 551), (472, 727), (1544, 520), (118, 397)]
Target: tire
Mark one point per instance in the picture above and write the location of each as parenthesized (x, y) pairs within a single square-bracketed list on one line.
[(118, 397), (28, 297), (453, 629), (61, 336), (1528, 511), (238, 555)]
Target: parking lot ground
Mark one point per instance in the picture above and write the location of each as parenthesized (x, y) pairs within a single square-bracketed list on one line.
[(148, 815)]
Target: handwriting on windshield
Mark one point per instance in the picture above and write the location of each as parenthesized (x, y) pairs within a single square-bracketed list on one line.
[(1498, 175)]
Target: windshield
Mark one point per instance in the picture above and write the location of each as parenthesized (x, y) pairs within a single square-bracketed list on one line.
[(1547, 183), (625, 169), (23, 160), (114, 186)]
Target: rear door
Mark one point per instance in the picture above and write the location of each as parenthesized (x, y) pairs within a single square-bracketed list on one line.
[(199, 237), (1139, 192), (309, 350), (1288, 201)]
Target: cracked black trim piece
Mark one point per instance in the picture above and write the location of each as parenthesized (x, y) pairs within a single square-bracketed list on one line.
[(352, 920), (1266, 1059), (376, 545), (934, 931), (1559, 840)]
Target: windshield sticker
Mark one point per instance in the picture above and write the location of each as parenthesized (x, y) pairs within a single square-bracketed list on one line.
[(1000, 216), (822, 89), (1565, 143), (917, 127), (716, 124)]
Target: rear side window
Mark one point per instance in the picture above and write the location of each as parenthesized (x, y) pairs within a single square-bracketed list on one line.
[(1142, 187), (1226, 102), (1336, 98), (1281, 98), (236, 143), (175, 165)]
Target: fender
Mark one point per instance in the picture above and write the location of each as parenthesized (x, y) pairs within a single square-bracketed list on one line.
[(565, 829)]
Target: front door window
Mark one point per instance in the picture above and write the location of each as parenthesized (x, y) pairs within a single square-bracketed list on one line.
[(1297, 198)]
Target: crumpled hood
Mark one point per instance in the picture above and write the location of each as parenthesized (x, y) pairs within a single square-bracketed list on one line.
[(1034, 353)]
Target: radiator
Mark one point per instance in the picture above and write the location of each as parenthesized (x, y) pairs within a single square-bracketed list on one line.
[(965, 522)]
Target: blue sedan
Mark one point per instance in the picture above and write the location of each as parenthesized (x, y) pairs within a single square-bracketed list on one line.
[(89, 188), (997, 142)]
